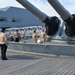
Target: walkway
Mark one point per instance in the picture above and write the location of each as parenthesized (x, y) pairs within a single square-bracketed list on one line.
[(28, 64)]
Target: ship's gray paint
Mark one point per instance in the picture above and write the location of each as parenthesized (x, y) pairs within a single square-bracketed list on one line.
[(55, 49), (28, 64), (33, 9), (60, 9)]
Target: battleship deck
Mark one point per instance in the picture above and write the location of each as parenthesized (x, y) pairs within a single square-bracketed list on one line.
[(19, 63), (49, 48), (36, 59)]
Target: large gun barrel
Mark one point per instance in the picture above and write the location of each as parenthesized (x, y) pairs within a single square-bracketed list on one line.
[(51, 23), (66, 16)]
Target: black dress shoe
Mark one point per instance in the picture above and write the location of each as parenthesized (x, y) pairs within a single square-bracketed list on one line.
[(5, 59)]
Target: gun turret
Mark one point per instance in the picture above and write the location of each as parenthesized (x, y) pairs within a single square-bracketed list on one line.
[(51, 23), (66, 16)]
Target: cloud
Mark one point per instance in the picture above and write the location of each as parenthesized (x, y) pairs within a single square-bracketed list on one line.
[(45, 7), (42, 5), (69, 5), (5, 3)]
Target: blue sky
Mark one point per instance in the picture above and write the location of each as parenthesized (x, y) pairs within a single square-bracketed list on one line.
[(42, 5)]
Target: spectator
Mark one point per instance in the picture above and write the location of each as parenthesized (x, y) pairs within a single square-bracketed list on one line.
[(16, 36), (34, 37), (43, 36)]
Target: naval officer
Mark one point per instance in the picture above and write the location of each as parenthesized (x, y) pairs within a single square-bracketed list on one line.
[(3, 44)]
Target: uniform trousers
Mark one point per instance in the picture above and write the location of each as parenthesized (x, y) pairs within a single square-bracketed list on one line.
[(16, 39), (3, 51)]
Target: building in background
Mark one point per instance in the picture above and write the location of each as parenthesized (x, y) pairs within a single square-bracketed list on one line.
[(18, 17)]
